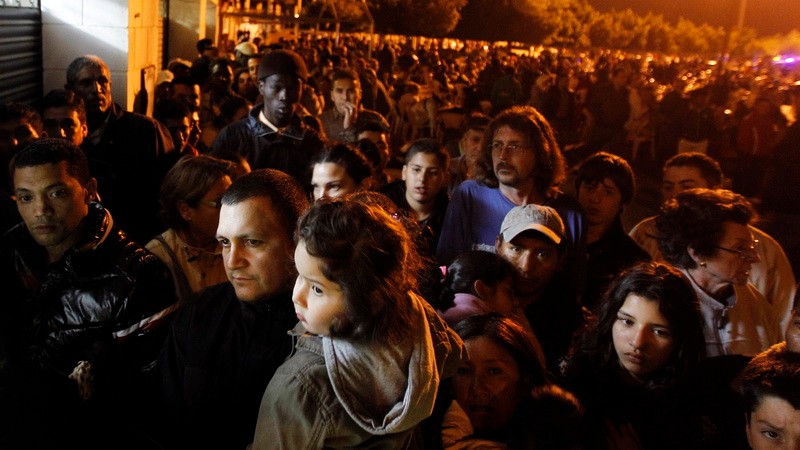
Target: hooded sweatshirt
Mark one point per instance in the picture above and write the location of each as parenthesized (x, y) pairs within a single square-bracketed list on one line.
[(334, 392)]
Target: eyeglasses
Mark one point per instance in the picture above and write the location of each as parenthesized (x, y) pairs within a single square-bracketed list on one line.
[(749, 253), (210, 204), (512, 149)]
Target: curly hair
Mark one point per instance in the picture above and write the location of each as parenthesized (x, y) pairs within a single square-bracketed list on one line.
[(677, 302), (550, 166), (372, 258), (696, 219)]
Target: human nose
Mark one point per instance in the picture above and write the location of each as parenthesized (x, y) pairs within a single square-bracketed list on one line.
[(297, 293), (639, 339), (526, 263), (235, 257), (41, 206)]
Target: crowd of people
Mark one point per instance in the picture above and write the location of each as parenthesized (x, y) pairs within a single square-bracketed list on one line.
[(307, 246)]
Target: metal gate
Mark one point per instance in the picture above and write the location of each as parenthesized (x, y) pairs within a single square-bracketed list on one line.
[(20, 50)]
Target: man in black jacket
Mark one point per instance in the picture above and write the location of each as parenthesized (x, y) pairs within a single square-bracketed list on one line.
[(84, 310), (129, 153), (225, 345), (273, 134)]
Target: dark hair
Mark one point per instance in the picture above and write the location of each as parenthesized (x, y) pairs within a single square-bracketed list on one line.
[(84, 62), (429, 146), (186, 81), (285, 194), (53, 151), (21, 112), (355, 164), (228, 109), (371, 257), (509, 335), (345, 74), (188, 181), (477, 121), (599, 166), (469, 267), (371, 125), (375, 156), (708, 166), (63, 98), (695, 218), (770, 374), (677, 302), (550, 166), (167, 108)]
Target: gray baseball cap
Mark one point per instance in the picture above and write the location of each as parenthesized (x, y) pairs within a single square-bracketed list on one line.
[(543, 219)]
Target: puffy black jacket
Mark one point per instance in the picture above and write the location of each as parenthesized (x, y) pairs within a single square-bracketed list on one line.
[(106, 301)]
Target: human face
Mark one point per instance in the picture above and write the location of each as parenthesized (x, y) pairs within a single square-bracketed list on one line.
[(252, 67), (793, 333), (642, 337), (331, 180), (488, 386), (726, 266), (534, 259), (471, 145), (424, 178), (179, 130), (681, 178), (513, 168), (501, 297), (64, 122), (221, 76), (52, 204), (243, 81), (14, 135), (601, 202), (380, 141), (190, 95), (93, 85), (345, 93), (774, 424), (281, 94), (203, 219), (256, 249), (317, 300)]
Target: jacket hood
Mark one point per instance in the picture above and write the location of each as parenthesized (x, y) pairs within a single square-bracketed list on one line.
[(406, 377)]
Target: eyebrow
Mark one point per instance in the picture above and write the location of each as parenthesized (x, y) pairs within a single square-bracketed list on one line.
[(764, 422), (46, 188)]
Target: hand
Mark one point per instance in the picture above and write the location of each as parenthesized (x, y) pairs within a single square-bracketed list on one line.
[(83, 375), (350, 114)]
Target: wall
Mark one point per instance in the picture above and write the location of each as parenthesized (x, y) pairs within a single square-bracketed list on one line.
[(122, 32), (185, 29)]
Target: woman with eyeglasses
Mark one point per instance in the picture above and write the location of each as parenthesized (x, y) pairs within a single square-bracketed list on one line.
[(704, 232), (190, 203)]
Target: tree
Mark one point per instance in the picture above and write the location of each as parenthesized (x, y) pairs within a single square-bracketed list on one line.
[(416, 17), (572, 19), (505, 20)]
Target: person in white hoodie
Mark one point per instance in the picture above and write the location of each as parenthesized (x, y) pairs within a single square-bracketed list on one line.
[(369, 352)]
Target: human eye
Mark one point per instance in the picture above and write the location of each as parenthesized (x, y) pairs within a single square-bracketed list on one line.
[(771, 434), (224, 242), (464, 370), (496, 146), (625, 321), (252, 242), (543, 254), (24, 198), (59, 193), (316, 290), (494, 371), (662, 332), (513, 147)]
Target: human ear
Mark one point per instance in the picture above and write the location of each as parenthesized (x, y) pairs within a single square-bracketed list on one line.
[(481, 289), (91, 191), (185, 210)]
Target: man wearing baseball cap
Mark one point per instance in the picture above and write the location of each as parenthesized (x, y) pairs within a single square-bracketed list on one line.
[(273, 135), (532, 239)]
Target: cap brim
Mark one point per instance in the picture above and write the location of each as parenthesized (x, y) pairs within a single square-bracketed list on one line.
[(510, 234)]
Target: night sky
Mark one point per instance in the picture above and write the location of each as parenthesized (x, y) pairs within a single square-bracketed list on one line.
[(766, 16)]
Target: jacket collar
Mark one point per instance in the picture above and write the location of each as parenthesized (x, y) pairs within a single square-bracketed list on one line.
[(295, 130)]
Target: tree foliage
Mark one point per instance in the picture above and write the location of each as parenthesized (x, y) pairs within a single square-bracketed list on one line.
[(416, 17)]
